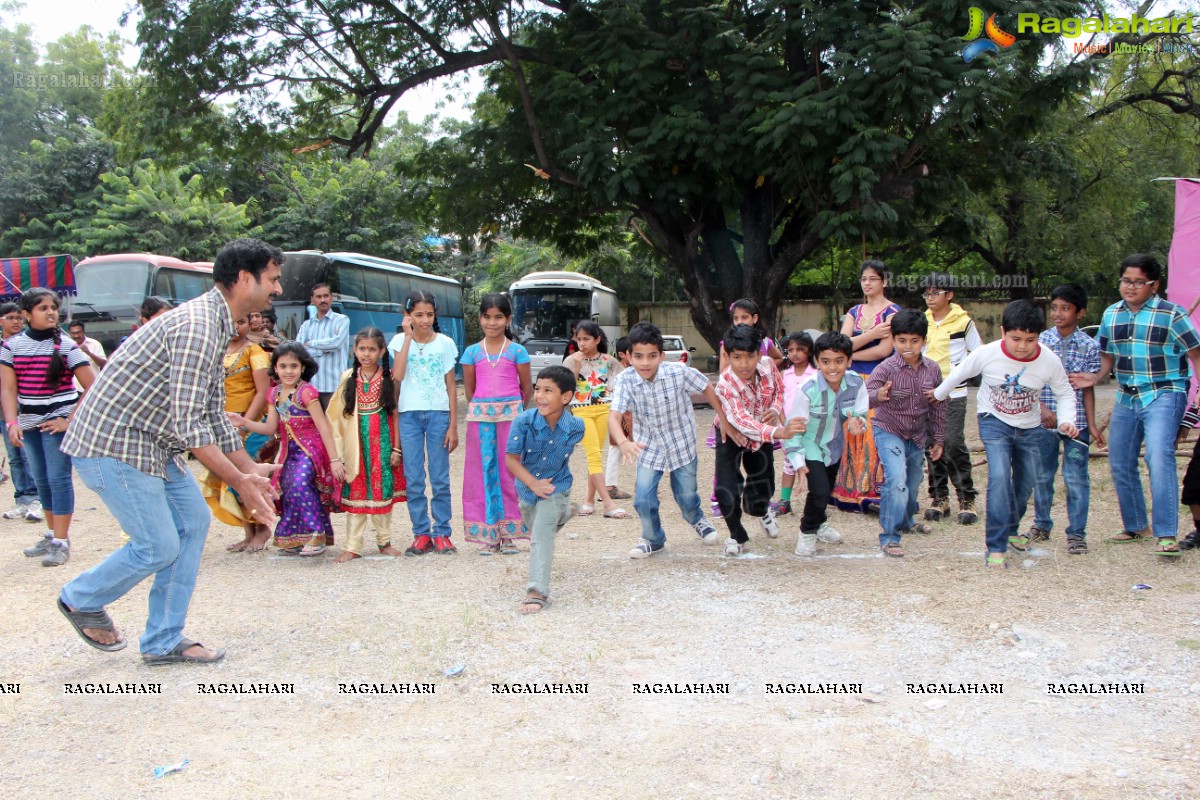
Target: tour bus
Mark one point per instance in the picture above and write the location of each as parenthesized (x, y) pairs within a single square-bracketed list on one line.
[(111, 290), (545, 306), (371, 291)]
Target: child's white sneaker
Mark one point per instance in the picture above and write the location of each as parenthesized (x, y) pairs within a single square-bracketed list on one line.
[(806, 545), (828, 535), (769, 524), (644, 550), (734, 548), (707, 533)]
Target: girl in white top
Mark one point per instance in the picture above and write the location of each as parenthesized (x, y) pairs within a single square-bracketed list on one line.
[(424, 362)]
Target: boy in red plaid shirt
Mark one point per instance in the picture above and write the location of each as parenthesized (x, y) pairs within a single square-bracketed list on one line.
[(751, 394)]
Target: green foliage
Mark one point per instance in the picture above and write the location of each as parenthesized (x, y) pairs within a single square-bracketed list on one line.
[(147, 209), (327, 204)]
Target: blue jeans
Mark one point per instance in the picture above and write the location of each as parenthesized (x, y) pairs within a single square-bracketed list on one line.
[(903, 467), (51, 470), (1075, 478), (423, 435), (167, 522), (25, 490), (1157, 424), (645, 503), (1013, 467)]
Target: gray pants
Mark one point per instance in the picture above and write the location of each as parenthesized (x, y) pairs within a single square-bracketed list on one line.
[(544, 519)]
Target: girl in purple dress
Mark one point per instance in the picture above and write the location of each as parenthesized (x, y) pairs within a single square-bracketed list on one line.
[(307, 480)]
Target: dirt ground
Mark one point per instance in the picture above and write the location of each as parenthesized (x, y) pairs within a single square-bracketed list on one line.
[(690, 616)]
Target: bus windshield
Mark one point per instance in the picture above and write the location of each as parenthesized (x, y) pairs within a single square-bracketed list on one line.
[(547, 314), (113, 284)]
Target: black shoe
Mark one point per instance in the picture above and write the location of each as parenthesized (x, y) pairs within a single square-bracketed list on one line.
[(1190, 541)]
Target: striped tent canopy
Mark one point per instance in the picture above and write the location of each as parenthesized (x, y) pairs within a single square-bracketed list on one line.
[(51, 272)]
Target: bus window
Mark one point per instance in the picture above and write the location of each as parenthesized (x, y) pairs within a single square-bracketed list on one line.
[(399, 288), (350, 281), (162, 284), (376, 286), (454, 301), (188, 285), (302, 271)]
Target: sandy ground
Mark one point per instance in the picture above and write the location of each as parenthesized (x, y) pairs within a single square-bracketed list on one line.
[(689, 616)]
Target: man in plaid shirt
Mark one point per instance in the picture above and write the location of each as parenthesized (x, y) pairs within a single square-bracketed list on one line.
[(1150, 342), (751, 394), (1079, 353), (163, 394)]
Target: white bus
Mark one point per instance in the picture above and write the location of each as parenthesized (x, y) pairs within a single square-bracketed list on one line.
[(546, 305)]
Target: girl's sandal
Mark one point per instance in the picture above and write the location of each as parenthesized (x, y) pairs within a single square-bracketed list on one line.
[(489, 550), (312, 550), (1167, 546), (508, 548), (996, 561)]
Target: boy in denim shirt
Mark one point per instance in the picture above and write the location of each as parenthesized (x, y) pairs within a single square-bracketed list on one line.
[(538, 455)]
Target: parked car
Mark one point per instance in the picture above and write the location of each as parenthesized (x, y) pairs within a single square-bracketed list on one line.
[(674, 349)]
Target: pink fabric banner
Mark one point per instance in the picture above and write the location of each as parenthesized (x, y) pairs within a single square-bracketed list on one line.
[(1183, 262)]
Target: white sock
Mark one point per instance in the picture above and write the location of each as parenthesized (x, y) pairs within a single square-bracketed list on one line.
[(49, 534), (60, 542)]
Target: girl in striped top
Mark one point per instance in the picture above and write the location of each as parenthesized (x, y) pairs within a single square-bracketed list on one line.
[(38, 398)]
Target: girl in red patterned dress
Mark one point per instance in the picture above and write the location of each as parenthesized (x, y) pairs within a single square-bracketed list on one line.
[(363, 413)]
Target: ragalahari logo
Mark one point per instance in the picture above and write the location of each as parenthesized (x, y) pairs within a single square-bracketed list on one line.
[(979, 27)]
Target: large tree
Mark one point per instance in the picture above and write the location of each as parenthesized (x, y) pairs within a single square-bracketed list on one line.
[(738, 137)]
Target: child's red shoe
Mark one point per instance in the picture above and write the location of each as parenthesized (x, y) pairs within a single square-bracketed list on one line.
[(420, 546), (444, 546)]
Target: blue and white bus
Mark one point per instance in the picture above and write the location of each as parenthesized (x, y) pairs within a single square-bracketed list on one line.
[(371, 291)]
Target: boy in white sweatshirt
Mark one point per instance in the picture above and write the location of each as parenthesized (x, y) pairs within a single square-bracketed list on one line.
[(1013, 372)]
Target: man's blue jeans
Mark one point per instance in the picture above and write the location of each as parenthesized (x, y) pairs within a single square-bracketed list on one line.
[(422, 437), (1013, 466), (645, 499), (903, 468), (167, 522), (1074, 454), (25, 491), (1157, 424)]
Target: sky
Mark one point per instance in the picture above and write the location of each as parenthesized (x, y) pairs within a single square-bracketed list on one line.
[(52, 19)]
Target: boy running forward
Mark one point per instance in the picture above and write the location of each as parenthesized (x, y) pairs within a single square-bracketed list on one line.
[(1014, 370), (952, 337), (664, 434), (903, 413), (538, 455), (1078, 353), (822, 402), (751, 393)]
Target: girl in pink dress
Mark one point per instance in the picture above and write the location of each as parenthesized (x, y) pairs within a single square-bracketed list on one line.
[(307, 480), (497, 384)]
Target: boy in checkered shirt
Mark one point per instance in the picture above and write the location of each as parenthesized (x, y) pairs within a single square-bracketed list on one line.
[(664, 434)]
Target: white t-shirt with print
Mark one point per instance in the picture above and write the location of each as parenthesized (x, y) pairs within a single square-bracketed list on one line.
[(424, 384), (1011, 390)]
